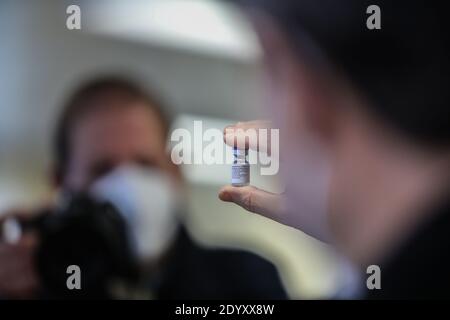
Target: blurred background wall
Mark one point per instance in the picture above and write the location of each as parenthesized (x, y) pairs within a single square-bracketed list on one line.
[(199, 55)]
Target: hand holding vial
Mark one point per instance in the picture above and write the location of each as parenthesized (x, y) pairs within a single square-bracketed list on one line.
[(240, 192), (278, 207)]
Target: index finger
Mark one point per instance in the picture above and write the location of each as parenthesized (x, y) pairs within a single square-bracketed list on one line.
[(246, 135)]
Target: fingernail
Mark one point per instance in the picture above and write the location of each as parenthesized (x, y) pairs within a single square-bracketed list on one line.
[(229, 138), (224, 196), (228, 128)]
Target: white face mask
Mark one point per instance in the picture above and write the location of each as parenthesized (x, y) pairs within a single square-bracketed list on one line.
[(146, 199)]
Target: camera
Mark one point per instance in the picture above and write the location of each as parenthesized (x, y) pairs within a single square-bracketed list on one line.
[(89, 234)]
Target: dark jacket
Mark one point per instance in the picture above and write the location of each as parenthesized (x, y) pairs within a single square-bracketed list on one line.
[(420, 268), (195, 272)]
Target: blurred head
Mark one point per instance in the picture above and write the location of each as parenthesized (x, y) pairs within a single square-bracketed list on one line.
[(364, 113), (111, 142), (107, 123)]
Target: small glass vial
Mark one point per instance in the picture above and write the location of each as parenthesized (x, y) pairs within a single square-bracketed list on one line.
[(240, 171)]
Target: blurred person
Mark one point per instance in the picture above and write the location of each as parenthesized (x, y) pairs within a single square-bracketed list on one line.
[(111, 142), (364, 123)]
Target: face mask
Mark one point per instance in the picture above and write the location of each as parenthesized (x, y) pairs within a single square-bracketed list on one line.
[(146, 200)]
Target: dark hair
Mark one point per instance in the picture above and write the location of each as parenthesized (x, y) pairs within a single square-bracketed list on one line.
[(402, 69), (104, 92)]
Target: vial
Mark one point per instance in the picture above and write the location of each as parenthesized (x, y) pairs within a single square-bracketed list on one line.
[(240, 170)]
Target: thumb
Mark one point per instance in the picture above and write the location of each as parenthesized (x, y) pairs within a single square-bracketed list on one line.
[(254, 200)]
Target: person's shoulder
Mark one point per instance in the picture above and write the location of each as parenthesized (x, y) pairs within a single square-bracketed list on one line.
[(200, 271), (239, 258), (225, 257)]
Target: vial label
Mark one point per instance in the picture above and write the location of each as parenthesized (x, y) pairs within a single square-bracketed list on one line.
[(240, 175), (240, 171)]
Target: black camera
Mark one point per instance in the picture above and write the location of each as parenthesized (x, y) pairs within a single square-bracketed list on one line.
[(90, 235)]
